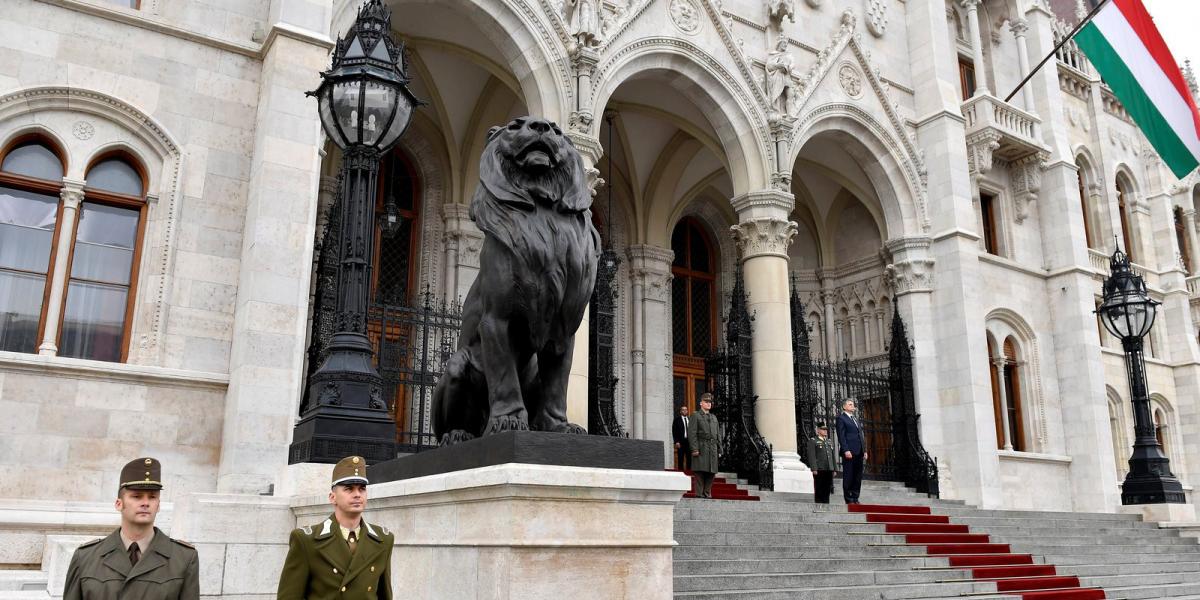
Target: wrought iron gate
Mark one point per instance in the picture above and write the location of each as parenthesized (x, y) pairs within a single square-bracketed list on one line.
[(411, 341), (728, 375), (882, 388), (602, 378)]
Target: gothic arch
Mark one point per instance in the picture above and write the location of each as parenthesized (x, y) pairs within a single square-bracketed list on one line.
[(897, 180), (715, 90), (1118, 424), (526, 41)]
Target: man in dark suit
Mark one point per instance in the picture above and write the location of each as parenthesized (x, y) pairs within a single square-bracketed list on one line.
[(854, 451), (683, 450)]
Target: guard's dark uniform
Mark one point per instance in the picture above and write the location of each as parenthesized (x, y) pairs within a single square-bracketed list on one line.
[(104, 570), (822, 461), (320, 564)]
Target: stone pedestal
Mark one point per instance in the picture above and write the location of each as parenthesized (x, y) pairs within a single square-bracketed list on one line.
[(1163, 513), (526, 531)]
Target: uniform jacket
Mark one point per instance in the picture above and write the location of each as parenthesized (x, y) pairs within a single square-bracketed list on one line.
[(319, 565), (850, 437), (677, 431), (821, 455), (100, 570), (704, 433)]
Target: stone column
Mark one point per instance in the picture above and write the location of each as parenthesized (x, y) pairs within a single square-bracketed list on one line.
[(763, 234), (651, 269), (1019, 27), (463, 243), (1005, 437), (879, 328), (833, 334), (270, 315), (972, 6), (853, 349), (840, 349), (72, 197), (1189, 223), (637, 353)]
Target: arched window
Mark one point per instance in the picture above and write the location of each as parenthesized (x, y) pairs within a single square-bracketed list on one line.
[(1124, 201), (1083, 205), (1117, 429), (1006, 397), (101, 275), (1160, 431), (693, 308), (30, 179), (397, 211), (1181, 240)]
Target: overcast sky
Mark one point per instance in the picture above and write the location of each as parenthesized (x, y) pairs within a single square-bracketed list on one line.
[(1179, 22)]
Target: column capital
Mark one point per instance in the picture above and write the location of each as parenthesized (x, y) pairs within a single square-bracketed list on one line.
[(590, 148), (1019, 27), (764, 236), (970, 4), (72, 192), (764, 203), (650, 267)]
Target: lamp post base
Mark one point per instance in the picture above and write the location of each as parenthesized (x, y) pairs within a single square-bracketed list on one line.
[(1151, 489)]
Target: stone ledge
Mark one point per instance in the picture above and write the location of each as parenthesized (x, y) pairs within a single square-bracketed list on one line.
[(1034, 457), (94, 369)]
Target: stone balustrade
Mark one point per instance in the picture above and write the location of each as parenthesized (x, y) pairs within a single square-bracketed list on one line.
[(1016, 131)]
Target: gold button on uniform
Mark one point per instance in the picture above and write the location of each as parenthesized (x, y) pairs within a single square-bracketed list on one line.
[(368, 588), (372, 568), (343, 588), (335, 570)]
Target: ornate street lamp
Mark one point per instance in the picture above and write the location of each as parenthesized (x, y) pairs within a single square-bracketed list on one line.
[(1128, 313), (364, 104)]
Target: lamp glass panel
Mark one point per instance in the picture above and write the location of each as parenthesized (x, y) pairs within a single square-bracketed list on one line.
[(379, 99), (328, 120), (1136, 313), (404, 109), (345, 106)]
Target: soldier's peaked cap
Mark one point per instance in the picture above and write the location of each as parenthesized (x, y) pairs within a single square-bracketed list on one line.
[(352, 469), (142, 474)]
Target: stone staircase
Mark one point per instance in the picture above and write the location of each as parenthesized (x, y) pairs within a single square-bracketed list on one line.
[(905, 545)]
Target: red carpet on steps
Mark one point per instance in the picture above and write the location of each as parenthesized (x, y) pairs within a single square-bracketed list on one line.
[(721, 490), (976, 554)]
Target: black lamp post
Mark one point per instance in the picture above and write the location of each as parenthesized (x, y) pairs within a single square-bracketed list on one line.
[(364, 105), (1128, 312)]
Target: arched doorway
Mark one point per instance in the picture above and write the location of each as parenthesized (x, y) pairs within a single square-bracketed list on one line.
[(693, 309)]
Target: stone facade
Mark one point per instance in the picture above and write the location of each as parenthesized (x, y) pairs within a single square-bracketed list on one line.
[(871, 183)]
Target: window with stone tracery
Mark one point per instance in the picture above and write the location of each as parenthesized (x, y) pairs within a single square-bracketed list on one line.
[(95, 237), (1124, 205), (693, 308)]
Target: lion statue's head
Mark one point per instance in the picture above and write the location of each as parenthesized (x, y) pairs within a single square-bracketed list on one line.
[(530, 161)]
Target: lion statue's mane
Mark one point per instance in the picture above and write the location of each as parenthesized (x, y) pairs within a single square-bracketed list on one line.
[(537, 271)]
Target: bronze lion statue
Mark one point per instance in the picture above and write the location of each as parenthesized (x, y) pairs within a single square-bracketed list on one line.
[(537, 268)]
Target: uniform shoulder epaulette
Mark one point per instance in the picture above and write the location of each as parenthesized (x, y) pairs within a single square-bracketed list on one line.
[(91, 542), (183, 543), (385, 530)]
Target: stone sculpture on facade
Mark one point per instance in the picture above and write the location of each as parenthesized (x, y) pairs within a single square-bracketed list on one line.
[(778, 9), (781, 91), (584, 21), (537, 271)]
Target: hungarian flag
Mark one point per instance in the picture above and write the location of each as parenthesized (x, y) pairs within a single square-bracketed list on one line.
[(1130, 54)]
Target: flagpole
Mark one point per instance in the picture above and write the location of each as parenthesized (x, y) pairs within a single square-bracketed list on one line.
[(1067, 38)]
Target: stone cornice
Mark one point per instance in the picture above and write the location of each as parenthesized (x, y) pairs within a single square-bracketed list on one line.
[(649, 257), (765, 199), (108, 371), (138, 19)]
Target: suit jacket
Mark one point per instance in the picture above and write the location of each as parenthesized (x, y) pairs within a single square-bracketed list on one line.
[(849, 435), (705, 434), (319, 564), (100, 570), (678, 430)]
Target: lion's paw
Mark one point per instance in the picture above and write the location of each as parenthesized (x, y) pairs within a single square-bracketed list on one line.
[(454, 437), (505, 423), (576, 429)]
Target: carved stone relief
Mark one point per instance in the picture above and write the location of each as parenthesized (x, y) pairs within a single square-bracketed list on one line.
[(851, 80), (686, 15), (876, 17)]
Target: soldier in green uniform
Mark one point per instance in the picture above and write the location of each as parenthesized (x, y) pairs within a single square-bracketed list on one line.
[(342, 556), (137, 561), (822, 462), (705, 434)]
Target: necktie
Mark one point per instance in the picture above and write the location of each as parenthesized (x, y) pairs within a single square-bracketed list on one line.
[(352, 539), (135, 553), (685, 428)]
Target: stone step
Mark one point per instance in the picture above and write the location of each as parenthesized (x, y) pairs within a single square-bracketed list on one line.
[(804, 565), (791, 552), (22, 580), (862, 592), (1068, 559), (1149, 592), (807, 580)]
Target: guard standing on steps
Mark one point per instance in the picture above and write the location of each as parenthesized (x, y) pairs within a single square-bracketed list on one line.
[(137, 561), (705, 434), (822, 462), (342, 556), (854, 451)]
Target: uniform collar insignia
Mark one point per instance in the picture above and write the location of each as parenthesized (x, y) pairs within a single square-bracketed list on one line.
[(325, 528), (371, 531)]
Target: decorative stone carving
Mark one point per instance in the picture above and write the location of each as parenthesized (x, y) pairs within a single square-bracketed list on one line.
[(815, 3), (583, 19), (781, 91), (685, 15), (83, 130), (909, 276), (778, 9), (851, 81), (1018, 27), (876, 17), (1026, 177), (764, 236), (980, 147)]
